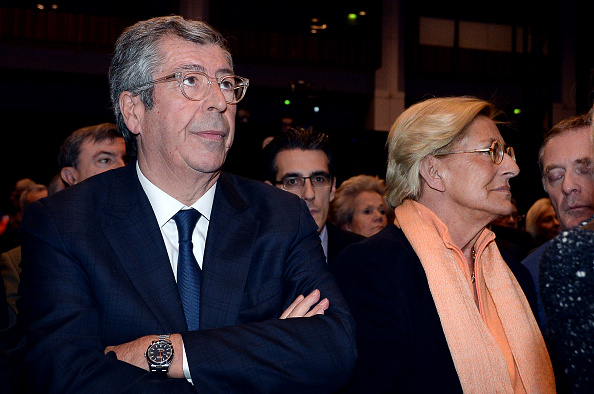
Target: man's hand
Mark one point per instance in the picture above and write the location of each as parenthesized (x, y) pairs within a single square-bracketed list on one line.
[(302, 306), (133, 353)]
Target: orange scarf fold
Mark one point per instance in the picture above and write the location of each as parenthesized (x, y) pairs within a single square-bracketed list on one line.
[(497, 347)]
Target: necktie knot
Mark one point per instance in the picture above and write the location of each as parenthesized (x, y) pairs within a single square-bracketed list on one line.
[(186, 222)]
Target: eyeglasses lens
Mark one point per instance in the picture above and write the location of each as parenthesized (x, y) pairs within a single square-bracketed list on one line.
[(498, 150), (196, 87), (294, 183)]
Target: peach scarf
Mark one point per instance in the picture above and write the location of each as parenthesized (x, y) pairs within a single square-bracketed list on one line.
[(498, 348)]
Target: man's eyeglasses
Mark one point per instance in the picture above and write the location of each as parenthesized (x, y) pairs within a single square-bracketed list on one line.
[(297, 182), (195, 85), (497, 150)]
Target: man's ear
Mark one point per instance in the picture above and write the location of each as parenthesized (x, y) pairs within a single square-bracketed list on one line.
[(268, 183), (333, 190), (430, 172), (69, 175), (132, 110)]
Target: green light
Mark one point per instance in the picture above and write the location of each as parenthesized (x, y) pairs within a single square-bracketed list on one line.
[(287, 102), (352, 17), (517, 111)]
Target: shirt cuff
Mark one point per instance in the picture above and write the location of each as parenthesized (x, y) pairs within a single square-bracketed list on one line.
[(187, 374)]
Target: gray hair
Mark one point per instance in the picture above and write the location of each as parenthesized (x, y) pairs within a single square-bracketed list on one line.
[(428, 127), (573, 123), (137, 58)]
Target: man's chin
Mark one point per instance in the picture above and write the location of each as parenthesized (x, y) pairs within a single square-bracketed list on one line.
[(576, 216)]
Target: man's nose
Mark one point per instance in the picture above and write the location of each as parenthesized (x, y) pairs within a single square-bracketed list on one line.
[(215, 99), (570, 183), (308, 192)]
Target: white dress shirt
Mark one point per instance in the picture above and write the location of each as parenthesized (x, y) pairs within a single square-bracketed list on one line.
[(324, 239), (165, 207)]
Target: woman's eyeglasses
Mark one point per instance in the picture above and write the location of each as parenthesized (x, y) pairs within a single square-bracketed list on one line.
[(497, 150)]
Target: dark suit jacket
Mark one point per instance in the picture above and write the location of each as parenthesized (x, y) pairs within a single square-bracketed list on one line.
[(338, 240), (95, 272), (402, 347)]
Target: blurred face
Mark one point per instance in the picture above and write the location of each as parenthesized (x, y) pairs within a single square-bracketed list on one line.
[(478, 189), (305, 163), (369, 217), (567, 176), (179, 139), (547, 223), (95, 158), (509, 220)]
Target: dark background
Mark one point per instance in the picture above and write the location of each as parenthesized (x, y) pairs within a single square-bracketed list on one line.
[(53, 74)]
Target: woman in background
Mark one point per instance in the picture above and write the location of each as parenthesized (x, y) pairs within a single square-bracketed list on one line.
[(359, 205), (541, 221), (436, 306)]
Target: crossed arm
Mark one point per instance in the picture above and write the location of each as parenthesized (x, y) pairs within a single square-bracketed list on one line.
[(133, 352)]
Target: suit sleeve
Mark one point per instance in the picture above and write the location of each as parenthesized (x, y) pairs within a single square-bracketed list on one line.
[(314, 354), (373, 292), (65, 348)]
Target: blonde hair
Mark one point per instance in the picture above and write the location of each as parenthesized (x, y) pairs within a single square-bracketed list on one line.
[(428, 127), (534, 213)]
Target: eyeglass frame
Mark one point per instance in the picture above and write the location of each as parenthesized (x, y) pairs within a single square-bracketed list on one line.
[(180, 76), (509, 150), (282, 181)]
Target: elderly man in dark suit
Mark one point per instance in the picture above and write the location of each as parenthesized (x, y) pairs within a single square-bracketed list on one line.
[(167, 275)]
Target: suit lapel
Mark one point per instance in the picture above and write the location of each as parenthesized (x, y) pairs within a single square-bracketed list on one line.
[(227, 257), (132, 229)]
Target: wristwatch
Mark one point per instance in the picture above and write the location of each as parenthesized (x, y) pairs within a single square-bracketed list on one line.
[(159, 354)]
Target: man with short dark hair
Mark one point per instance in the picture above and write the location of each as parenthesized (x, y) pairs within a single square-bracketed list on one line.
[(91, 150), (300, 161), (168, 275), (566, 162)]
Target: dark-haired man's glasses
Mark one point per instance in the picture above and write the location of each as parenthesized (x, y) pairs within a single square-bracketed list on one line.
[(297, 182), (195, 85), (497, 150)]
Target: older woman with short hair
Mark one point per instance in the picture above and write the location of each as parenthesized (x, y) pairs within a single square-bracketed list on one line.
[(541, 221), (437, 307), (359, 205)]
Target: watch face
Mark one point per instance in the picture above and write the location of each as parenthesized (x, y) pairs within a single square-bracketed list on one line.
[(160, 352)]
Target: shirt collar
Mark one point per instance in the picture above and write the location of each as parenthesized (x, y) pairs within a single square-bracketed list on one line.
[(166, 206)]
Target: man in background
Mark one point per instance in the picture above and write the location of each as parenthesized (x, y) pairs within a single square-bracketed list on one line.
[(300, 161), (566, 162), (91, 150)]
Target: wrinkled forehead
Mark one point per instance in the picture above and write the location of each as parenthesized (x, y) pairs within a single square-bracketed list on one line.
[(179, 54), (571, 147)]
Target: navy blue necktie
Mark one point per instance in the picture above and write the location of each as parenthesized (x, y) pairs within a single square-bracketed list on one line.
[(189, 274)]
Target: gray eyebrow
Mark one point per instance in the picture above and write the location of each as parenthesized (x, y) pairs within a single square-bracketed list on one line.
[(198, 67)]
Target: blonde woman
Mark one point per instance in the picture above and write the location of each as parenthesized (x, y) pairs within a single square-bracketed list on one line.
[(541, 221), (437, 308)]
